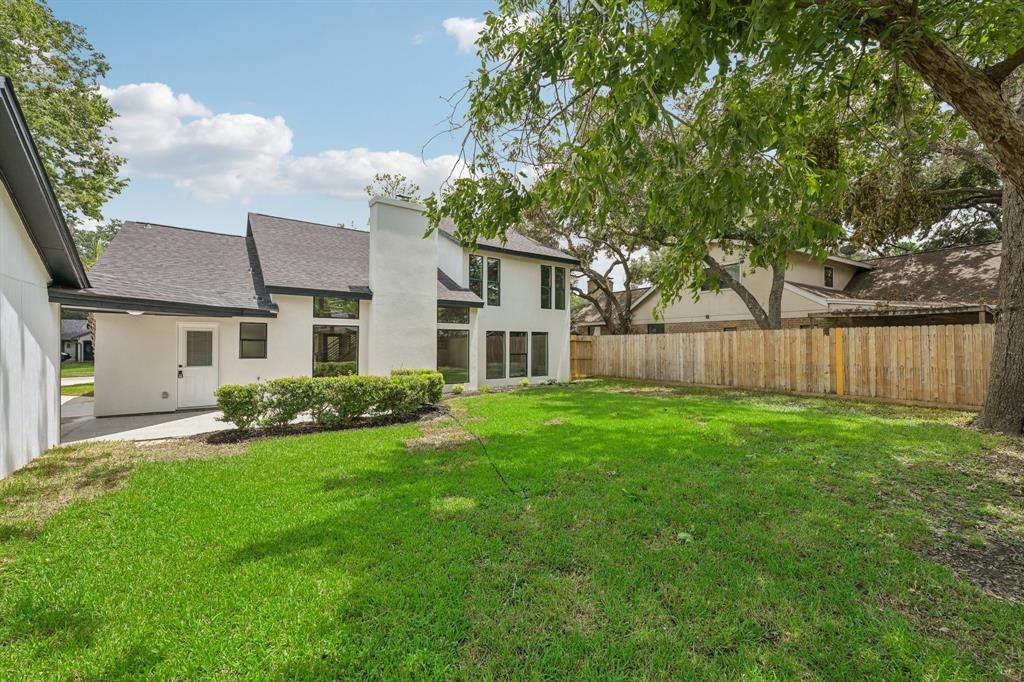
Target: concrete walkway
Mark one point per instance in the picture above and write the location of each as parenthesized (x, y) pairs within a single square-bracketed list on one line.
[(78, 424), (77, 381)]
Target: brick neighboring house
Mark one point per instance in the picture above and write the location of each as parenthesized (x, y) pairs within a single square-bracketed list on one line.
[(955, 285)]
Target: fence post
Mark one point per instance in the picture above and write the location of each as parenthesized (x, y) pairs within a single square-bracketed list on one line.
[(839, 360)]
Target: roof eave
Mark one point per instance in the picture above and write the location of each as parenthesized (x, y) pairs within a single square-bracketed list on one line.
[(102, 303)]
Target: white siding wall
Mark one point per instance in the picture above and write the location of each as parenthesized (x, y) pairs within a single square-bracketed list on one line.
[(29, 347), (520, 311)]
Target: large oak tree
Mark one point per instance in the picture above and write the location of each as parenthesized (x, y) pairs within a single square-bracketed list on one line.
[(744, 114)]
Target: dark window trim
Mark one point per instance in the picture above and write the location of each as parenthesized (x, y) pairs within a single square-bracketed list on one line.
[(312, 364), (241, 338), (445, 330), (483, 275), (560, 274), (488, 285), (526, 355), (545, 288), (533, 356), (830, 277), (504, 350)]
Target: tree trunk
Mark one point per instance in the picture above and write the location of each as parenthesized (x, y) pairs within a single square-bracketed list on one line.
[(772, 319), (1004, 405), (775, 297)]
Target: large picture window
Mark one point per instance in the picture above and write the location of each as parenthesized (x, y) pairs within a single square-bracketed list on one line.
[(493, 281), (539, 354), (452, 314), (252, 340), (335, 350), (545, 286), (495, 355), (476, 275), (338, 308), (453, 355), (517, 354), (560, 288)]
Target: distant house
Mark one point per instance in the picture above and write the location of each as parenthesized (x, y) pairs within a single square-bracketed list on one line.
[(36, 250), (294, 298), (75, 340), (957, 285)]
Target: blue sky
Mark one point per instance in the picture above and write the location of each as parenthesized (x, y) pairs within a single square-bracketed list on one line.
[(280, 108)]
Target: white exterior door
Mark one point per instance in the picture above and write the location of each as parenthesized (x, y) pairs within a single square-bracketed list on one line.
[(197, 366)]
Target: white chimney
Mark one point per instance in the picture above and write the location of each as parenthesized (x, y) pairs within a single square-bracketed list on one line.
[(402, 325)]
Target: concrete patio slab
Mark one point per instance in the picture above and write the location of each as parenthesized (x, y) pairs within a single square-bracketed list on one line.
[(78, 423)]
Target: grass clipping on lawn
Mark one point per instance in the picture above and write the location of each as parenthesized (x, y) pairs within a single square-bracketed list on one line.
[(83, 471)]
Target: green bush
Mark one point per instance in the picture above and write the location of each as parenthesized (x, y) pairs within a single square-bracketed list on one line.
[(240, 404), (458, 388), (330, 401), (524, 382), (486, 388)]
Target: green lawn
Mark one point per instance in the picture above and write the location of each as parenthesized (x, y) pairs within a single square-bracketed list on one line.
[(77, 369), (77, 389), (648, 533)]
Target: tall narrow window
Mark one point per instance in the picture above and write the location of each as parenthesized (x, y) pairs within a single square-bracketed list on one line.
[(545, 286), (829, 277), (339, 308), (335, 350), (252, 340), (517, 354), (493, 281), (539, 354), (495, 355), (453, 355), (560, 288), (476, 275)]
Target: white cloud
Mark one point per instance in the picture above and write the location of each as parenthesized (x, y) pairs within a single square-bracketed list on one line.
[(216, 156), (465, 31), (419, 39)]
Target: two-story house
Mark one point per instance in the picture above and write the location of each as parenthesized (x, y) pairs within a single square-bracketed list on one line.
[(957, 285), (180, 312)]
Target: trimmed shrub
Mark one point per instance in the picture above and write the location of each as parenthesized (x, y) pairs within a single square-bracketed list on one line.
[(330, 401), (524, 382), (458, 388), (240, 404), (334, 369)]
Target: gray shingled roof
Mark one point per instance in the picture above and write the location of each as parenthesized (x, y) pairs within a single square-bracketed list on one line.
[(160, 263), (514, 243), (298, 255), (448, 291), (967, 274), (72, 329)]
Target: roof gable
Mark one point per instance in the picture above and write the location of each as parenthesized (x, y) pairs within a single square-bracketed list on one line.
[(24, 175)]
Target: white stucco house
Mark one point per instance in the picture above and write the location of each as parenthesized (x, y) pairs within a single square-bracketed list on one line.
[(179, 312), (36, 251), (75, 340)]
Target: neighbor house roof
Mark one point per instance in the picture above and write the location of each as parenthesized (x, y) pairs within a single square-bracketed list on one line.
[(514, 244), (73, 329), (959, 273), (23, 173), (298, 257), (161, 268), (589, 314)]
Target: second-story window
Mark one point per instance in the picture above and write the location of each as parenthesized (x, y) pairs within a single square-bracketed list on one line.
[(476, 275), (339, 308), (545, 286), (733, 269), (829, 277), (493, 281), (560, 288)]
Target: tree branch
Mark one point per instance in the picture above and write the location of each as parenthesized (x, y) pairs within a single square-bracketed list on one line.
[(1000, 71)]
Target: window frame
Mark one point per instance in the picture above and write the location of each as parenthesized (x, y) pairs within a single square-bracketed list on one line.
[(504, 363), (453, 332), (242, 339), (457, 308), (560, 282), (350, 328), (525, 355), (533, 355), (706, 285), (478, 289), (494, 285), (348, 301), (830, 277), (545, 287)]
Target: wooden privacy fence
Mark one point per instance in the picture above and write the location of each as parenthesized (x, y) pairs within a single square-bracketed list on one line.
[(944, 365)]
